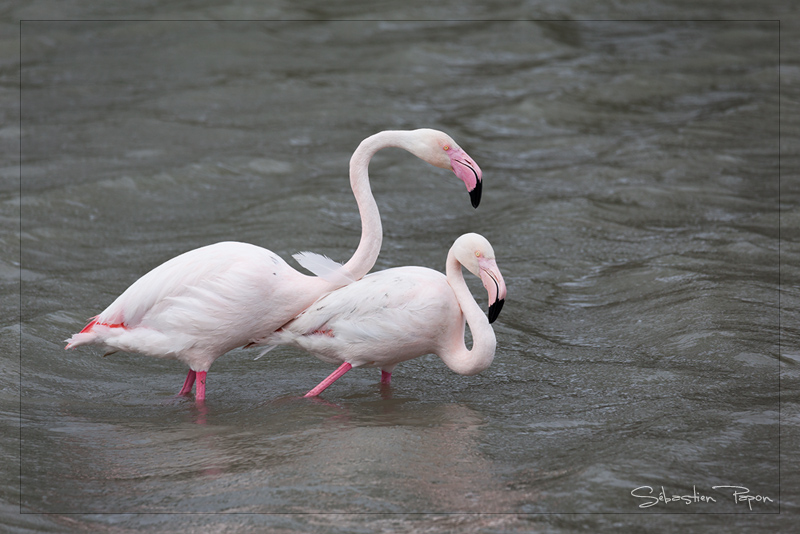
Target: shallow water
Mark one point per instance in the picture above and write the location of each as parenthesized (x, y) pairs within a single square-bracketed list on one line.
[(631, 195)]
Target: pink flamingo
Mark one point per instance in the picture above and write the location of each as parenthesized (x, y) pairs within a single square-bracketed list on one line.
[(208, 301), (398, 314)]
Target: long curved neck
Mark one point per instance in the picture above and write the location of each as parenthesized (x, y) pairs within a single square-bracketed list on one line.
[(369, 247), (456, 356)]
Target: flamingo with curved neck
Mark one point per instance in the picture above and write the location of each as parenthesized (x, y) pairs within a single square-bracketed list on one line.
[(395, 315), (203, 303)]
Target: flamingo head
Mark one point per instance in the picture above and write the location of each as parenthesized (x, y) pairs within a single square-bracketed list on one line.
[(439, 149), (474, 252)]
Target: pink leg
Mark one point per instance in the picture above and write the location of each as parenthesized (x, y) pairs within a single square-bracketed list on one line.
[(386, 378), (187, 385), (330, 380), (200, 392)]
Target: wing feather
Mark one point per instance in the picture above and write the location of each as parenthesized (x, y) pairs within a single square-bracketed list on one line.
[(325, 268)]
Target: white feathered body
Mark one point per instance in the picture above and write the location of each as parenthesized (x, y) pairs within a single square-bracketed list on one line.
[(201, 304), (204, 303), (383, 319)]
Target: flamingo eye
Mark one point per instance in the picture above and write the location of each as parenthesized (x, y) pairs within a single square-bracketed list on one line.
[(477, 253), (446, 147)]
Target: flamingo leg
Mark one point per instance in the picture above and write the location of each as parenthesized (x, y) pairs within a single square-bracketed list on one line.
[(386, 378), (187, 385), (200, 392), (330, 380)]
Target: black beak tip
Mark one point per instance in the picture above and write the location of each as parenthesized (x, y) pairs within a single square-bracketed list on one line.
[(494, 309), (475, 194)]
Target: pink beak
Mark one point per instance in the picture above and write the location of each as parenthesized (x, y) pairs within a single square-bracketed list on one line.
[(468, 172), (494, 284)]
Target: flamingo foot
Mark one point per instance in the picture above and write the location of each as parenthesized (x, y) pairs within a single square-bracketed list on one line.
[(330, 380), (187, 385), (386, 378), (200, 392)]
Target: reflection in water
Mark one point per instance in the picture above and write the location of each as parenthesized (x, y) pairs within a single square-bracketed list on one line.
[(393, 455), (200, 412), (388, 455), (391, 458)]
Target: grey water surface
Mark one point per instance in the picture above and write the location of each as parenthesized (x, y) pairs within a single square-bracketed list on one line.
[(631, 193)]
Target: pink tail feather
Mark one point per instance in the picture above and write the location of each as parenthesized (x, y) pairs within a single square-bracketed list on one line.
[(92, 322), (85, 336)]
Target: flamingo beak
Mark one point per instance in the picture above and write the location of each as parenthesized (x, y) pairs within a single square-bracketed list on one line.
[(494, 310), (494, 284), (475, 194), (468, 172)]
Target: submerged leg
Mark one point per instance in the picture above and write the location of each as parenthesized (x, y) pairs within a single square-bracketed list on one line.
[(187, 385), (200, 393), (330, 380), (386, 378)]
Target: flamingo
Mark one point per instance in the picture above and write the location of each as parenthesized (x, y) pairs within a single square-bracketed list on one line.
[(205, 302), (402, 313)]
